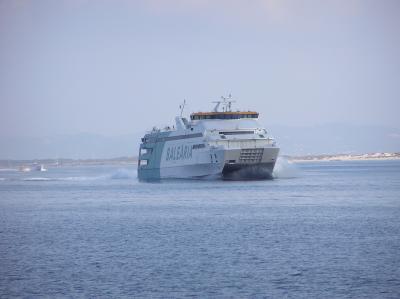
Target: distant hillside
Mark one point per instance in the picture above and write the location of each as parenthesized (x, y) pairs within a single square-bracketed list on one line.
[(16, 164), (295, 141), (132, 161), (80, 146), (345, 157), (335, 139)]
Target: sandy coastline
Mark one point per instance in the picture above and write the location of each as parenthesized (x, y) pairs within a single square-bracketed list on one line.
[(126, 161), (345, 157)]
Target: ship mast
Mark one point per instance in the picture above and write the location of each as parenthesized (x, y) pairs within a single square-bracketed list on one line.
[(182, 106)]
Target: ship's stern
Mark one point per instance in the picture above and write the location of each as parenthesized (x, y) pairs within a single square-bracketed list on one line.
[(249, 163)]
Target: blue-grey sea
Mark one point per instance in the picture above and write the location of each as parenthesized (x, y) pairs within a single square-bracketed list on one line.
[(319, 230)]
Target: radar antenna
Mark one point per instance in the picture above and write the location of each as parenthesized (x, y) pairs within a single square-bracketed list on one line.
[(226, 104)]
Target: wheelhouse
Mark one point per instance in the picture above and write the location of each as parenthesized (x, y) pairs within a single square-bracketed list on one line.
[(223, 115)]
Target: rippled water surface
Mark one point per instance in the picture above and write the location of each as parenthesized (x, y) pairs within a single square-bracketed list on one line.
[(324, 230)]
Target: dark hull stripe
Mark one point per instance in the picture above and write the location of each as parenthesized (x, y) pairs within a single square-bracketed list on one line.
[(180, 137)]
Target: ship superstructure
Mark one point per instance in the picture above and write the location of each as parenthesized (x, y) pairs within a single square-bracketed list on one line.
[(222, 143)]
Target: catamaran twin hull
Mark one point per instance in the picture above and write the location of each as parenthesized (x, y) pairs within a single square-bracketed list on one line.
[(218, 144), (192, 159)]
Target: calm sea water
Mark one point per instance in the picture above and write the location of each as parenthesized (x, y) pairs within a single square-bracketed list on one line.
[(326, 230)]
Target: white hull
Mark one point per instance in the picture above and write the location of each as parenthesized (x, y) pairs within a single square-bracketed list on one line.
[(215, 163)]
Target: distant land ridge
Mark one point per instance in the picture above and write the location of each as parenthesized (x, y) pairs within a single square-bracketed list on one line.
[(345, 157), (125, 161), (293, 141)]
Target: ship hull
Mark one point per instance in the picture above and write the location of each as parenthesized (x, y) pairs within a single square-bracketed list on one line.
[(225, 164), (259, 171)]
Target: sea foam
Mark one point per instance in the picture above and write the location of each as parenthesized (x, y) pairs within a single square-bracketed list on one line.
[(285, 169)]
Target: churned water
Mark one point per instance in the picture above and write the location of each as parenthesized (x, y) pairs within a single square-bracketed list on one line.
[(325, 230)]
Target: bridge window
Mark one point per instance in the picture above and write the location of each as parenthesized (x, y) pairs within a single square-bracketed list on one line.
[(223, 116), (143, 162), (198, 146)]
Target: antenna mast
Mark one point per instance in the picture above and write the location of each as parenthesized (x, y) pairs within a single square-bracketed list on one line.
[(182, 106), (226, 104)]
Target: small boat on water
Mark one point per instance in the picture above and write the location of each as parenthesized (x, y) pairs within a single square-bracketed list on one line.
[(40, 168), (25, 169)]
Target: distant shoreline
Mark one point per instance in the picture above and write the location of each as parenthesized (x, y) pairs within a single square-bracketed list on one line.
[(53, 163), (345, 157), (132, 161)]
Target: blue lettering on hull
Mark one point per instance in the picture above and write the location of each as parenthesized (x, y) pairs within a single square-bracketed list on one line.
[(181, 152)]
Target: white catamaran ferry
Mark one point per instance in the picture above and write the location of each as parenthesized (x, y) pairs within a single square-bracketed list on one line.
[(222, 144)]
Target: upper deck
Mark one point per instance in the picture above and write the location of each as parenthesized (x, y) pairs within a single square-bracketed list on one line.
[(223, 115)]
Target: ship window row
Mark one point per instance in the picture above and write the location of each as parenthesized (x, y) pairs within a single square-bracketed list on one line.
[(198, 146), (237, 132), (223, 116), (163, 139)]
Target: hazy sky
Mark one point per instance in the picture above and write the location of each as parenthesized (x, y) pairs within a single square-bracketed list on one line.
[(115, 67)]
